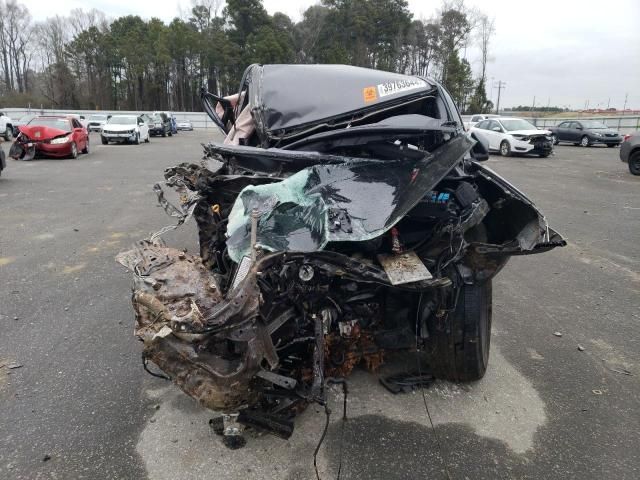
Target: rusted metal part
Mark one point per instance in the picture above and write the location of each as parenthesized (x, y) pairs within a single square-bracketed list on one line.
[(174, 299)]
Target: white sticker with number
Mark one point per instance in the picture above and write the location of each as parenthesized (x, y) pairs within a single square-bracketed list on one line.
[(397, 86)]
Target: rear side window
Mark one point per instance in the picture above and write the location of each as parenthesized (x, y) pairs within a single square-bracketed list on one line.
[(477, 118), (482, 125), (451, 106)]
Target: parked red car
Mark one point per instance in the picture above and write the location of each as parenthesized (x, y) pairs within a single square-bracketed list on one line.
[(50, 136)]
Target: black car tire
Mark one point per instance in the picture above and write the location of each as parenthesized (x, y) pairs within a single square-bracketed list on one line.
[(74, 150), (148, 139), (584, 141), (554, 139), (104, 140), (170, 134), (611, 145), (462, 354), (137, 140), (505, 148), (634, 163), (8, 134), (164, 133), (85, 150)]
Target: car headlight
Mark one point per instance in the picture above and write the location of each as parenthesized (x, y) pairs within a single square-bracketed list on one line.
[(597, 134), (522, 138), (58, 141)]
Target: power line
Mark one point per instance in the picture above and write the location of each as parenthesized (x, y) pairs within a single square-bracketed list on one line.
[(500, 86)]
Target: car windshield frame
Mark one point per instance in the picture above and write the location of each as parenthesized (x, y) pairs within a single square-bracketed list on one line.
[(525, 124), (589, 124), (116, 120), (51, 122)]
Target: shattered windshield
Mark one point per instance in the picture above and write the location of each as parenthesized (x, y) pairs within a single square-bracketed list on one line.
[(327, 203)]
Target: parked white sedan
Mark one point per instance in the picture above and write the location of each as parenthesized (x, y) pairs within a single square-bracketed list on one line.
[(509, 135), (125, 128), (185, 125)]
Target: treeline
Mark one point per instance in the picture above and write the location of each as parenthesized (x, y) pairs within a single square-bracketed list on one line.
[(86, 61), (529, 108)]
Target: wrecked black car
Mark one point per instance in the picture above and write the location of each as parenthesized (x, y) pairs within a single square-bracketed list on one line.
[(346, 216)]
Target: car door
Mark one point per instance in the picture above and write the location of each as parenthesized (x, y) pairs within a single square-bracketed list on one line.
[(573, 132), (495, 136), (561, 131), (79, 134), (144, 128), (480, 131)]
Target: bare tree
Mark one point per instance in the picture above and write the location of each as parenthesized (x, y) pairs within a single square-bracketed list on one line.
[(486, 30), (15, 33)]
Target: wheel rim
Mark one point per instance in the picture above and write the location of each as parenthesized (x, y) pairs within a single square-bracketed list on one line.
[(9, 134), (74, 150), (584, 142), (504, 149), (87, 146), (554, 140), (635, 163)]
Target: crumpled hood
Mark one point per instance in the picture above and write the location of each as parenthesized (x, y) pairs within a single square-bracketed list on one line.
[(36, 132), (115, 127), (355, 201), (530, 132)]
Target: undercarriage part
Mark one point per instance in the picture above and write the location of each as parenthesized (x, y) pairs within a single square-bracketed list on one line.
[(275, 424), (232, 437), (407, 382)]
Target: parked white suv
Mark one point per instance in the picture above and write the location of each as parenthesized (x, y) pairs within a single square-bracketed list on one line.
[(6, 127)]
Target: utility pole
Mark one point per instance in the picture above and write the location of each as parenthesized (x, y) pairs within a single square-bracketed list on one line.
[(500, 86), (626, 97), (608, 102), (533, 107)]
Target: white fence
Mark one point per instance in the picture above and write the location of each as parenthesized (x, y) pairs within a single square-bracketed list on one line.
[(624, 124), (198, 119)]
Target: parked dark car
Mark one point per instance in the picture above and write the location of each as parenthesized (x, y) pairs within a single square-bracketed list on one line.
[(3, 161), (335, 229), (585, 133), (630, 152), (160, 125)]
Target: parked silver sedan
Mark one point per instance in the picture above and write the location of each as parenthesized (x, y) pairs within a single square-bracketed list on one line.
[(185, 125)]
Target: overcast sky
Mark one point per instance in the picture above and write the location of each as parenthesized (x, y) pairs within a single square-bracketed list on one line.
[(563, 52)]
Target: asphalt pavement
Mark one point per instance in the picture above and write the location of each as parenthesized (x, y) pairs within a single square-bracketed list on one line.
[(560, 399)]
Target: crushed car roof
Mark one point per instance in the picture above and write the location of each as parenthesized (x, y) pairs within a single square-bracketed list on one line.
[(288, 96)]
